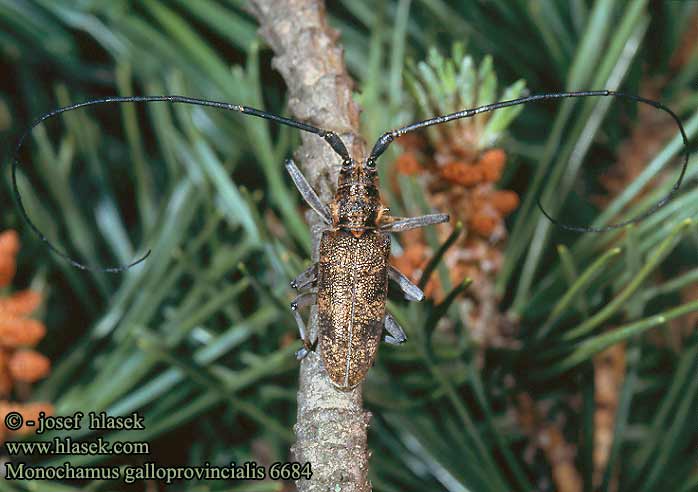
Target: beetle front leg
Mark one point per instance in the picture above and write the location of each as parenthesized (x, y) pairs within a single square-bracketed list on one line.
[(400, 224), (411, 291), (396, 335), (305, 278), (307, 192), (305, 299)]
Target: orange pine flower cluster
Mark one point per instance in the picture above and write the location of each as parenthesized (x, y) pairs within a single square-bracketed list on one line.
[(487, 207), (486, 169), (20, 365), (462, 181), (464, 184)]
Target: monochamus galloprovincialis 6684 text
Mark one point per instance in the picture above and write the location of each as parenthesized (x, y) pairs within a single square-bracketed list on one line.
[(349, 283)]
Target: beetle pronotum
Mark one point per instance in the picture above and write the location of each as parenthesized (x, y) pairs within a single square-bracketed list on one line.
[(350, 282)]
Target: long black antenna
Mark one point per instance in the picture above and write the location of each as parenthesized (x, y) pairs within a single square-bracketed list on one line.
[(330, 137), (386, 139)]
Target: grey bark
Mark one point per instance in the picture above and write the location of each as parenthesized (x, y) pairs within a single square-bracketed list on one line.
[(331, 424)]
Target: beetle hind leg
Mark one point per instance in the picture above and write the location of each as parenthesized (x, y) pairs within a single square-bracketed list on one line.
[(396, 335), (303, 351), (305, 299)]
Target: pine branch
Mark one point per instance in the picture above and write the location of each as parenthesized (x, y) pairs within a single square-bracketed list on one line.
[(332, 425)]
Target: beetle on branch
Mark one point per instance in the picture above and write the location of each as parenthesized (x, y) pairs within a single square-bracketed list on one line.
[(349, 284)]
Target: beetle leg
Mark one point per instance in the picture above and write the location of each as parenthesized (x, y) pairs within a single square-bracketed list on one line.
[(307, 191), (305, 299), (303, 351), (399, 224), (411, 291), (307, 277), (396, 335), (301, 300)]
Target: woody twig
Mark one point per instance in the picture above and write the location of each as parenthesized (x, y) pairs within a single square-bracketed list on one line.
[(332, 425)]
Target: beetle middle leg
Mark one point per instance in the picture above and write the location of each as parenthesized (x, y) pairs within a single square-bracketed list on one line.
[(396, 335), (399, 224), (305, 299), (305, 278), (411, 291)]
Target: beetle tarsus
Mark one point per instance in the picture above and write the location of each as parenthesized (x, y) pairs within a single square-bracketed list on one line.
[(392, 341), (307, 347), (305, 299), (396, 335)]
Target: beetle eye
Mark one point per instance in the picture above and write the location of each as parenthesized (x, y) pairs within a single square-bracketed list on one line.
[(371, 164)]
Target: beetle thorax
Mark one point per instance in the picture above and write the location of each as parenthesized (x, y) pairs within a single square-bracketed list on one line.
[(356, 207)]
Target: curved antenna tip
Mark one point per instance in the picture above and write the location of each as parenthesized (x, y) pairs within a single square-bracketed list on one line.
[(123, 268), (117, 269), (659, 204), (561, 225), (610, 227), (573, 228)]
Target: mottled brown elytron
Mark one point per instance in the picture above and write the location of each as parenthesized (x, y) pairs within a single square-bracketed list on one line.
[(352, 288), (352, 273)]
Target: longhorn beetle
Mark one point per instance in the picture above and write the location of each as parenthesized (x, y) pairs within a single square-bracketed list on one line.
[(349, 284)]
